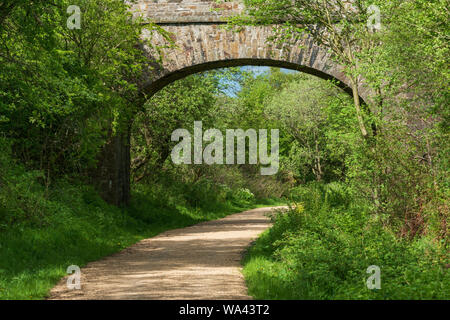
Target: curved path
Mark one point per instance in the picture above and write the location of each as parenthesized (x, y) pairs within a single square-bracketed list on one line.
[(197, 262)]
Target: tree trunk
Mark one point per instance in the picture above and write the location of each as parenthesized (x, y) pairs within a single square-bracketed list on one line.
[(318, 165), (357, 103)]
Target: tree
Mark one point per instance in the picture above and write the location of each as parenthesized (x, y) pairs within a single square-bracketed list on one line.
[(337, 25), (301, 108), (64, 90), (176, 106)]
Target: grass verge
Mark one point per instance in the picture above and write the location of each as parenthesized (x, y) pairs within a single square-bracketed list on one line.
[(74, 226), (323, 248)]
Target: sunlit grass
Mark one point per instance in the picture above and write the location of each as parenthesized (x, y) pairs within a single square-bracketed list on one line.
[(82, 228), (323, 250)]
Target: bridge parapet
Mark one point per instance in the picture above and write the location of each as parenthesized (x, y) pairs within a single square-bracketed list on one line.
[(187, 11)]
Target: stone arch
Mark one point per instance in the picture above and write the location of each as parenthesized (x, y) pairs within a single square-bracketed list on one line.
[(202, 42), (202, 47)]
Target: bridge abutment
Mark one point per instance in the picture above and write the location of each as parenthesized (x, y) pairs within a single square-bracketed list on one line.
[(112, 176)]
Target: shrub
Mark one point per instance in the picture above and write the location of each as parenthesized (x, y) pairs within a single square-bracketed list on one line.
[(322, 250)]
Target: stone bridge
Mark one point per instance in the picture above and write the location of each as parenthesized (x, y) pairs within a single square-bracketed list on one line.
[(203, 43)]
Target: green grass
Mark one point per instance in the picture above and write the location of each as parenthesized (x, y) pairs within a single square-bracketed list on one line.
[(323, 249), (45, 230), (76, 227)]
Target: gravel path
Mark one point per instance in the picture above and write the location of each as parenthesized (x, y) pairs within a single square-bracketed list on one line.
[(197, 262)]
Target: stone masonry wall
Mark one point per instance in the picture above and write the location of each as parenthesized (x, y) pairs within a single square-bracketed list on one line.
[(187, 11)]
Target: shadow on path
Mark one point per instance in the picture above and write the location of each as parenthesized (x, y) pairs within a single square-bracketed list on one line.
[(197, 262)]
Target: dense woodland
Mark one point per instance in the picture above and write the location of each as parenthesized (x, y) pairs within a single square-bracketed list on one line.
[(367, 181)]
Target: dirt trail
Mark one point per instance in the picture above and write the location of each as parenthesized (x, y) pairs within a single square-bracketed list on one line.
[(197, 262)]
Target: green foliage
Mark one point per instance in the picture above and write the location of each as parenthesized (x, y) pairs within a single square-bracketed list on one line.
[(175, 107), (312, 111), (63, 91), (380, 196), (401, 168), (322, 248), (45, 230), (22, 198), (243, 194)]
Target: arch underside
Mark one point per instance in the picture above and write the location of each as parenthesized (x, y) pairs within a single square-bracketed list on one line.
[(165, 80)]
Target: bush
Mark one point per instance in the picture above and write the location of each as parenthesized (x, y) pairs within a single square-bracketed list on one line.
[(243, 194), (44, 230), (22, 198), (323, 250)]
